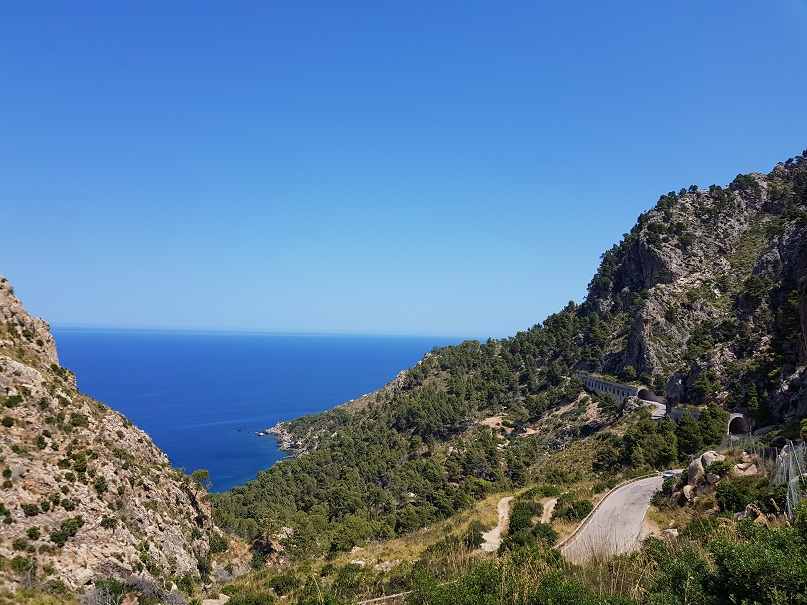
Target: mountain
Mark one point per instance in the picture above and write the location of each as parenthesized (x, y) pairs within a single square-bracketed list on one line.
[(85, 494), (704, 298), (702, 301)]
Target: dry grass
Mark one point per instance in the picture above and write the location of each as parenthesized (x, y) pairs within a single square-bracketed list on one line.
[(411, 546), (35, 597), (625, 575), (670, 517)]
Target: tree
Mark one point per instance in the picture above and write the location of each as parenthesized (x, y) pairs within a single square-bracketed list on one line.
[(752, 401), (712, 424), (703, 387), (690, 440), (202, 478)]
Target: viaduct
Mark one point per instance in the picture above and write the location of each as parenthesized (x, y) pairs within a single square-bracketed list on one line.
[(738, 423)]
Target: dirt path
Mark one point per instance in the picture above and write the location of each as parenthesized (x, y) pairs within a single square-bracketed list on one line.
[(493, 537), (549, 507), (616, 524)]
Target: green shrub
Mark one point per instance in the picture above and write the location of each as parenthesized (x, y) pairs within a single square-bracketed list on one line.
[(719, 468), (12, 401), (762, 566), (572, 509), (77, 420), (472, 538), (218, 543), (700, 528), (544, 532), (100, 485), (33, 533), (259, 597), (480, 586), (67, 530), (284, 583), (30, 510), (734, 494), (23, 565), (8, 421), (522, 513), (682, 575)]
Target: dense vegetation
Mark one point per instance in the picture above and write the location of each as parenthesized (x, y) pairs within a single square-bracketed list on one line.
[(385, 470)]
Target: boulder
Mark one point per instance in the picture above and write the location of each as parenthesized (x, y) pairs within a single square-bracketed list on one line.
[(712, 479), (671, 532), (744, 469), (695, 472), (689, 493), (711, 457)]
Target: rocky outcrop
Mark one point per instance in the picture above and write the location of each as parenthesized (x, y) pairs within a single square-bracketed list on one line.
[(695, 472), (85, 494), (707, 294)]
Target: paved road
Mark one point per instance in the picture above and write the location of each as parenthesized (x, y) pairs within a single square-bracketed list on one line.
[(616, 524), (493, 538)]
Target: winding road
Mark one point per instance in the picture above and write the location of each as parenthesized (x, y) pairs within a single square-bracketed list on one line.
[(615, 525)]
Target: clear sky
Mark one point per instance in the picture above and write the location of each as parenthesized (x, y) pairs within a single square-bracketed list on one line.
[(451, 168)]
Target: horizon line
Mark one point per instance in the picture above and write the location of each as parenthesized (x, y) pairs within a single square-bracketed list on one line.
[(258, 332)]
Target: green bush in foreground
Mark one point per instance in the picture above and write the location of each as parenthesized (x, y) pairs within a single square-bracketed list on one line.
[(571, 509)]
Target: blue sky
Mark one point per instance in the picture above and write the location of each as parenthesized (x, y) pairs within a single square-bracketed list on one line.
[(451, 168)]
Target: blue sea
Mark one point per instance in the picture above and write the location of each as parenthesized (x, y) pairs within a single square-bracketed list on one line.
[(203, 396)]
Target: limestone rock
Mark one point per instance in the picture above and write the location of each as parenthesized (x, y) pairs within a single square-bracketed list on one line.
[(689, 493), (710, 457), (76, 464), (744, 469), (695, 473)]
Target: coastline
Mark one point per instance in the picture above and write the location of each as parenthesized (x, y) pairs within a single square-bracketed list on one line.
[(286, 442)]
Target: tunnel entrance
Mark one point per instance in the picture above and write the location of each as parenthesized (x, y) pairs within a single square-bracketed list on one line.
[(739, 425)]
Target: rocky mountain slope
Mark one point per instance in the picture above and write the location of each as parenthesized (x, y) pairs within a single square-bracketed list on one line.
[(85, 494), (704, 298)]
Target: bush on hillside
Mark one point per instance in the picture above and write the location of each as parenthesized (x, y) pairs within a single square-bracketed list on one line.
[(571, 509)]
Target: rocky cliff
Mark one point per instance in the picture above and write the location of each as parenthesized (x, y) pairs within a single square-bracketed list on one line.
[(705, 296), (85, 494)]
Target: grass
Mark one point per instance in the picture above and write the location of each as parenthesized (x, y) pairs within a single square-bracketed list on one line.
[(411, 546), (35, 597)]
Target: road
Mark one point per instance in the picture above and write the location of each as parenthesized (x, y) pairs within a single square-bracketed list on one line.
[(616, 524), (493, 537)]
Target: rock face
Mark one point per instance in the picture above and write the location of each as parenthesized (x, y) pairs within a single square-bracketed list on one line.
[(695, 472), (85, 494), (711, 457), (706, 294)]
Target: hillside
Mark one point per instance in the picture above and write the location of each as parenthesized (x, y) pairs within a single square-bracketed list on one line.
[(701, 300), (85, 494)]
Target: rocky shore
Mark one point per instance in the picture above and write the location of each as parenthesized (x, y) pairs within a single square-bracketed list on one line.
[(286, 441)]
